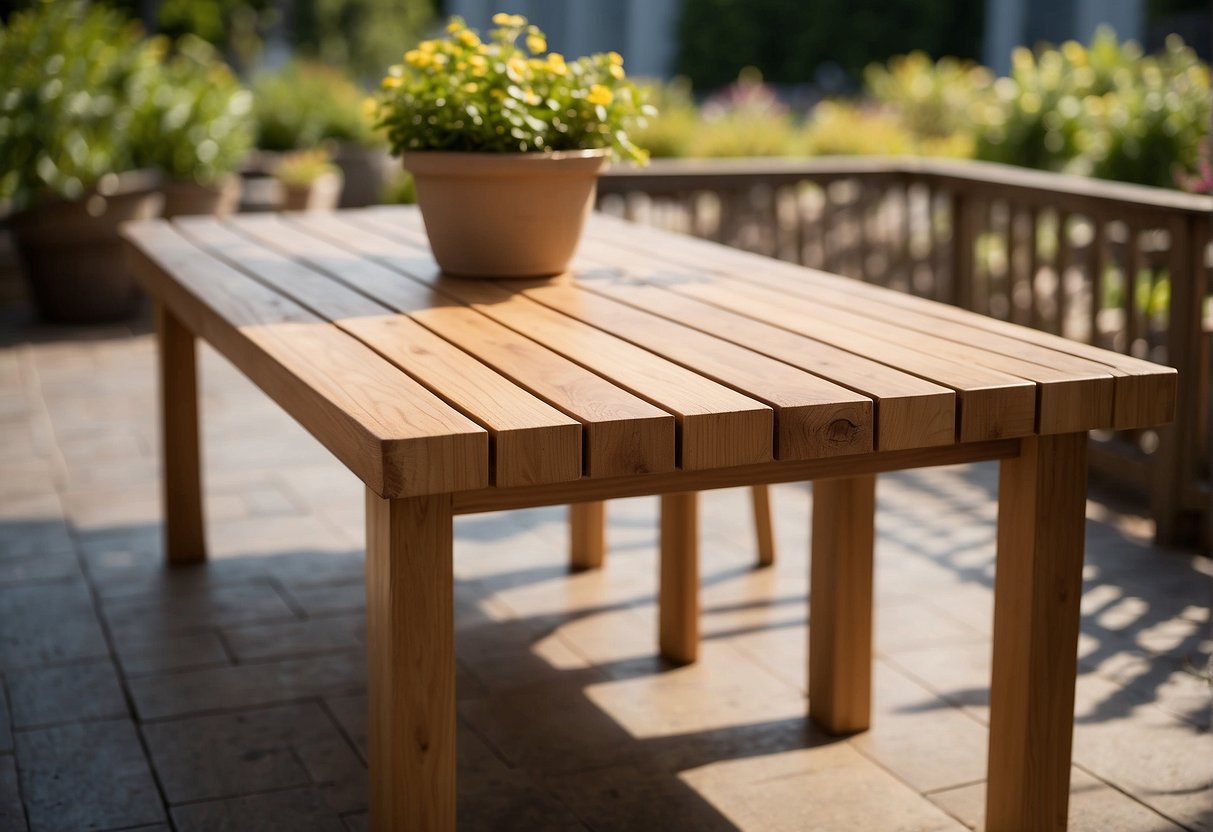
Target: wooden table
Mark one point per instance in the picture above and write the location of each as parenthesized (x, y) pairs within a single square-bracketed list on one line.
[(663, 366)]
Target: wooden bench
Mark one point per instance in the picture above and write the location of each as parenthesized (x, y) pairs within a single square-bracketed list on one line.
[(662, 366)]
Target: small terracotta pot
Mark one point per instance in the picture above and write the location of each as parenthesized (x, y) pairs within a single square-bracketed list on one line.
[(321, 194), (505, 214), (188, 198)]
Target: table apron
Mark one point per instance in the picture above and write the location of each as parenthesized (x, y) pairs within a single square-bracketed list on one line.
[(643, 485)]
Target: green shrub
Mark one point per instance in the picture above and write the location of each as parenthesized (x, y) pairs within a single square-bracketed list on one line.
[(304, 104), (363, 35), (197, 123), (74, 78), (672, 131), (746, 118), (303, 167), (1106, 111), (936, 99)]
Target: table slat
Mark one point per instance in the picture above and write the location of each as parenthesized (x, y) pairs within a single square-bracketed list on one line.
[(813, 417), (1144, 392), (910, 412), (718, 426), (395, 435), (623, 434), (530, 441)]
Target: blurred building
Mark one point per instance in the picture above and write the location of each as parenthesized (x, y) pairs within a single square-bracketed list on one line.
[(643, 30)]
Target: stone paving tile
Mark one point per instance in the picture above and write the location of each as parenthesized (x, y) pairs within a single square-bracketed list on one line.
[(89, 775), (41, 567), (829, 787), (142, 654), (296, 810), (12, 811), (295, 638), (246, 686), (48, 623), (65, 693), (1152, 756), (918, 737), (1094, 807), (206, 758), (207, 607), (6, 725), (330, 599)]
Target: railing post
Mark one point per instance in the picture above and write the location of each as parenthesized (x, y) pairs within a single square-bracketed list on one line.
[(1178, 448), (964, 228)]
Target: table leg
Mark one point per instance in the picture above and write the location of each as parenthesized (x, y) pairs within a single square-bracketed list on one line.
[(411, 648), (761, 497), (587, 535), (1037, 590), (679, 595), (840, 604), (184, 537)]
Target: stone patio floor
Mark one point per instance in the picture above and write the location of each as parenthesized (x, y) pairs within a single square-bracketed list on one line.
[(231, 696)]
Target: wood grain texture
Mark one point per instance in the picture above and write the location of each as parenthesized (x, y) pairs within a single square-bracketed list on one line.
[(1073, 393), (411, 650), (718, 427), (678, 599), (991, 404), (530, 441), (910, 412), (623, 434), (1037, 592), (840, 603), (1144, 392), (764, 528), (389, 430), (184, 529), (813, 417), (587, 535), (500, 499)]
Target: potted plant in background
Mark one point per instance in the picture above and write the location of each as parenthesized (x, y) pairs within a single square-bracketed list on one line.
[(306, 105), (309, 179), (75, 77), (505, 142), (196, 129)]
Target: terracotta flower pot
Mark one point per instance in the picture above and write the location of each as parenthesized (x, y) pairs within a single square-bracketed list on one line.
[(73, 256), (187, 198), (505, 214), (321, 194)]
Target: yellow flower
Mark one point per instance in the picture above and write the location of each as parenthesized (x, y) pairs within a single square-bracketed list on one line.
[(468, 38), (391, 82), (556, 63), (503, 19), (439, 59), (428, 46), (478, 61), (530, 98), (536, 43), (470, 87), (600, 95), (455, 25), (617, 71), (516, 67), (417, 58), (615, 58)]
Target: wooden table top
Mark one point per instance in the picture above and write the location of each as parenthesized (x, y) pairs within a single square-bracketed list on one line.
[(658, 352)]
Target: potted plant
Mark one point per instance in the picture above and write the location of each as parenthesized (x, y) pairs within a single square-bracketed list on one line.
[(74, 77), (307, 105), (505, 142), (309, 180), (196, 128)]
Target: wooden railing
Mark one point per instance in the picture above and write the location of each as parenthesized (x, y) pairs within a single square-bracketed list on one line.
[(1119, 266)]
